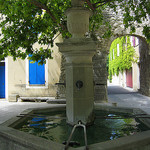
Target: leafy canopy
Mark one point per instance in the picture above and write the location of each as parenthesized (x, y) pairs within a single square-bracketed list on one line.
[(26, 22)]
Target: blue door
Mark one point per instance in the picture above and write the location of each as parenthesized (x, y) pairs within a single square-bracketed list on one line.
[(2, 80), (36, 73)]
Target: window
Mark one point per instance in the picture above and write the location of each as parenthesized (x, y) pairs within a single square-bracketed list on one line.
[(137, 41), (36, 73), (33, 79), (131, 40), (118, 52), (113, 54)]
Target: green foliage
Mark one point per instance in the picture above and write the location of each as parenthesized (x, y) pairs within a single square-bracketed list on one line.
[(146, 32), (23, 24), (26, 22), (126, 56)]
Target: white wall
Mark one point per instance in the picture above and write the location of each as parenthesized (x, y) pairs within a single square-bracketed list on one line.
[(17, 77)]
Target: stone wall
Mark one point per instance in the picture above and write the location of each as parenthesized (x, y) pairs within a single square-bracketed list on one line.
[(100, 58), (100, 77), (61, 89), (100, 72), (144, 68)]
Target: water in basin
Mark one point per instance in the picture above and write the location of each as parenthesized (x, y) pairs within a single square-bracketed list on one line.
[(107, 126)]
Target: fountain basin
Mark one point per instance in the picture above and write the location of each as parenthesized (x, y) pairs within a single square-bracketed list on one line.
[(13, 139)]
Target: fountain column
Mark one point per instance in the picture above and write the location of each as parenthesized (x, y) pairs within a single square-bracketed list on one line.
[(78, 52)]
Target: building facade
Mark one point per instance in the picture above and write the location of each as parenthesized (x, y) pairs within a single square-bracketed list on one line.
[(23, 78), (130, 77)]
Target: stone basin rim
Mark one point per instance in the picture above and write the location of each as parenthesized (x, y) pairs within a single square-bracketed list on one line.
[(24, 141)]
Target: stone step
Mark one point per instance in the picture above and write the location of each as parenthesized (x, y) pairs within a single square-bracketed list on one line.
[(56, 101), (35, 99)]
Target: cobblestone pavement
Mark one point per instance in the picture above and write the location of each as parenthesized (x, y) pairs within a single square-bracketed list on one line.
[(12, 109), (128, 98)]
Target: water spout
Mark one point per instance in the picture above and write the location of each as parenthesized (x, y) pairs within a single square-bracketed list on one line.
[(80, 124)]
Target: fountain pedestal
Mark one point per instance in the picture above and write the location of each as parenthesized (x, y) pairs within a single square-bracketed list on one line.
[(78, 52), (79, 79)]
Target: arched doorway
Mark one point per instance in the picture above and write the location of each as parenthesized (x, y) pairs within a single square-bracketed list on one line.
[(143, 64)]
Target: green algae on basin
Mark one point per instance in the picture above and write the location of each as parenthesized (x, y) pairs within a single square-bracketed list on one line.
[(107, 126)]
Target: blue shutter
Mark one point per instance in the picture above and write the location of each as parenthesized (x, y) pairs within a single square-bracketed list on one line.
[(36, 73), (2, 81), (40, 73)]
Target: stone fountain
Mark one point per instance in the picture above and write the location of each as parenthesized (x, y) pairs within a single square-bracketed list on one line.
[(78, 52)]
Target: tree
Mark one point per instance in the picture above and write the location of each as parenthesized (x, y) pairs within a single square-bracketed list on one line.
[(25, 22)]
